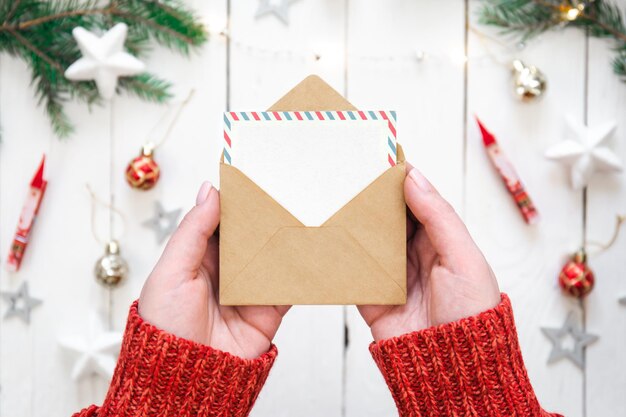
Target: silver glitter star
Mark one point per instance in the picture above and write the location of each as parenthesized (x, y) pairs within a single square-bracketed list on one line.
[(581, 340), (21, 303), (163, 223), (279, 10)]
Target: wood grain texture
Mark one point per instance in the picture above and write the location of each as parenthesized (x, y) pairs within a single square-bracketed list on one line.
[(59, 262), (267, 60), (383, 72), (526, 259), (366, 50), (605, 370)]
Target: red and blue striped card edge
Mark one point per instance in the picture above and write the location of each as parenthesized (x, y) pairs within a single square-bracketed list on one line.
[(334, 115)]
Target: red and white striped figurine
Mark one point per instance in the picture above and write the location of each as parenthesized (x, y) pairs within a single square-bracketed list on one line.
[(27, 219), (509, 176)]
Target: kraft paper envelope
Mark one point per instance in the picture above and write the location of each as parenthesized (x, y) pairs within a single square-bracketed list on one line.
[(358, 256)]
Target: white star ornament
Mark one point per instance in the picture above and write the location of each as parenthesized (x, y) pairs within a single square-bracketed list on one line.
[(104, 59), (280, 10), (585, 152), (95, 353)]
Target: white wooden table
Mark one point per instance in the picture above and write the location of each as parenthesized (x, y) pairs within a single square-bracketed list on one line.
[(367, 51)]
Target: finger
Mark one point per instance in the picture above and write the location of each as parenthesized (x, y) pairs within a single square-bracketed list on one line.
[(212, 258), (411, 221), (410, 226), (187, 246), (444, 227), (282, 310)]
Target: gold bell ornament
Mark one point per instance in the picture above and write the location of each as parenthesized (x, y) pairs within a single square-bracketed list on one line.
[(111, 269), (529, 83)]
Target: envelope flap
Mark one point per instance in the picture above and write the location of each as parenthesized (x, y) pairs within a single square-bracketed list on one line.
[(315, 94), (320, 265), (400, 156), (246, 203), (376, 218), (312, 94)]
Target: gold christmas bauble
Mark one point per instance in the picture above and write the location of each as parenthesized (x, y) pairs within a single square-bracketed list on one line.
[(529, 83), (111, 269)]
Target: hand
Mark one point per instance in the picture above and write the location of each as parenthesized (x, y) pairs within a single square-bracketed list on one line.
[(181, 294), (448, 278)]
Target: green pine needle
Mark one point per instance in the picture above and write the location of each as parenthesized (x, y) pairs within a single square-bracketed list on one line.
[(40, 33), (619, 66), (147, 87), (61, 124)]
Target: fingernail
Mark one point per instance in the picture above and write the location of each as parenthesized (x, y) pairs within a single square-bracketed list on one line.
[(419, 180), (205, 189)]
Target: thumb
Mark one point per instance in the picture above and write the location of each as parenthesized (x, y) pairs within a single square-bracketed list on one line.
[(187, 246), (445, 229)]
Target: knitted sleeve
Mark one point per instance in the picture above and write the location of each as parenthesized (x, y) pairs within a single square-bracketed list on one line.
[(159, 374), (472, 367)]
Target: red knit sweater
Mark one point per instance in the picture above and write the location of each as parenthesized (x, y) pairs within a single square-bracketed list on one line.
[(472, 367)]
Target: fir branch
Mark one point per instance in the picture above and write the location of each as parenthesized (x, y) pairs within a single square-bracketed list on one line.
[(61, 125), (619, 65), (529, 18), (521, 16), (35, 50), (61, 15), (40, 33), (171, 27), (605, 20), (11, 13), (147, 87)]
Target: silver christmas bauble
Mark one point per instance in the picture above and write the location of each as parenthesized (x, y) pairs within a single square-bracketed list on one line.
[(111, 269), (529, 83)]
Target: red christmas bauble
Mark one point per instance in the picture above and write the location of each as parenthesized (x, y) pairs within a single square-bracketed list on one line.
[(576, 279), (143, 172)]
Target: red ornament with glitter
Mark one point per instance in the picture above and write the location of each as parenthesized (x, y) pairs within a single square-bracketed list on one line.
[(576, 279), (143, 172)]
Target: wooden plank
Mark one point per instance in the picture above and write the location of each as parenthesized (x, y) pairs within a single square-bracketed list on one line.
[(384, 72), (526, 259), (189, 156), (35, 373), (36, 382), (19, 156), (267, 59), (605, 370)]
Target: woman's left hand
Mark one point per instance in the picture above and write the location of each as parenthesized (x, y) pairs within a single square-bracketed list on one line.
[(181, 294)]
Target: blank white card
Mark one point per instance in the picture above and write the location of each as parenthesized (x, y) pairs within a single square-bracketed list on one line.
[(311, 163)]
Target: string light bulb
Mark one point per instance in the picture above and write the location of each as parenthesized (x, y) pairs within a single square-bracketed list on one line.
[(572, 10), (572, 14)]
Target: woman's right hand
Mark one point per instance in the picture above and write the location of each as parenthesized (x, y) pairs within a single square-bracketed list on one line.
[(448, 277)]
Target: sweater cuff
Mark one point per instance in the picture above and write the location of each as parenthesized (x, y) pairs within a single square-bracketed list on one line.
[(469, 367), (160, 374)]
